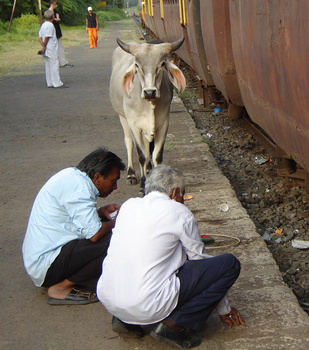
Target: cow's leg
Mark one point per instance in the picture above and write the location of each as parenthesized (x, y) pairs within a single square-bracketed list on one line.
[(143, 167), (142, 148), (157, 156), (131, 177), (151, 148)]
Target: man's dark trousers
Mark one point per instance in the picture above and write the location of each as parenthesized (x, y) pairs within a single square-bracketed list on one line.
[(80, 261), (203, 283)]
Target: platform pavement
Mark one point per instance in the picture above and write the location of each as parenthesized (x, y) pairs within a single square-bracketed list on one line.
[(41, 143), (274, 319)]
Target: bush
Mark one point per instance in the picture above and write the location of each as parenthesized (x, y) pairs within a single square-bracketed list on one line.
[(111, 14), (26, 25), (3, 27)]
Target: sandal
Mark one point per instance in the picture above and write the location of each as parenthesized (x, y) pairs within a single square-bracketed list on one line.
[(75, 297)]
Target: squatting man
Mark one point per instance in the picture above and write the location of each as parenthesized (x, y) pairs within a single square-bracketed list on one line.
[(157, 270), (67, 236)]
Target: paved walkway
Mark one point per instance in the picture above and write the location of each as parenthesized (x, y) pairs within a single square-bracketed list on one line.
[(44, 130)]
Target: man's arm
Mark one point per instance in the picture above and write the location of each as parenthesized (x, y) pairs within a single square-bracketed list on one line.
[(105, 229), (87, 24), (44, 44), (57, 17), (108, 225), (97, 22), (104, 212)]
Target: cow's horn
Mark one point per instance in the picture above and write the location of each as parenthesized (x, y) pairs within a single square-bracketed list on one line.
[(176, 44), (125, 47)]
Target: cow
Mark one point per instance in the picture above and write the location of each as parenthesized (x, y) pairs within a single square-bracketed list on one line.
[(141, 91)]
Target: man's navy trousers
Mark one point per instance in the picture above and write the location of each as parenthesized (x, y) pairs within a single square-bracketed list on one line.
[(203, 283)]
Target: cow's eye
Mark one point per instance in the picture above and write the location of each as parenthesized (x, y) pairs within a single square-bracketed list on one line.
[(136, 65), (163, 64)]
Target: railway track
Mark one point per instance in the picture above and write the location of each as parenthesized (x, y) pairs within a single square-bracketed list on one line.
[(278, 206)]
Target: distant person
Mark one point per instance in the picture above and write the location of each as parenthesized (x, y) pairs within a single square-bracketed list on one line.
[(92, 27), (157, 268), (63, 62), (67, 235), (48, 40)]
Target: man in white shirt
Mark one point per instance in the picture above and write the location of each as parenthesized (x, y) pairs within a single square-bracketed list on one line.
[(146, 270), (67, 236), (48, 40)]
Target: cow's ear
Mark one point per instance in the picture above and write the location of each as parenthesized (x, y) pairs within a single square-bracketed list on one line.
[(128, 79), (176, 77)]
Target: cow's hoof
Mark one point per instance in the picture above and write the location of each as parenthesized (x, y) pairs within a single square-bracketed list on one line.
[(131, 180), (141, 192)]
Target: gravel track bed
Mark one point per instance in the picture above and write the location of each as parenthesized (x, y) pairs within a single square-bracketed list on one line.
[(278, 206)]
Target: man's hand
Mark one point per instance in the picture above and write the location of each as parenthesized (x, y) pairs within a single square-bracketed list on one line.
[(104, 212), (233, 317)]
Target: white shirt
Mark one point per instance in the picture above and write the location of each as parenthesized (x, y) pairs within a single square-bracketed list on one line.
[(48, 30), (64, 210), (151, 240)]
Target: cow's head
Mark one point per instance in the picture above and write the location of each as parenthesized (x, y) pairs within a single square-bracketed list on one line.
[(150, 61)]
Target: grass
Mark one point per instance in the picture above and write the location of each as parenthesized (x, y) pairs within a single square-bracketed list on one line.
[(21, 52), (18, 49)]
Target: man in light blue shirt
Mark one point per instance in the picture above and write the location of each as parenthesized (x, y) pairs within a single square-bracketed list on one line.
[(67, 236)]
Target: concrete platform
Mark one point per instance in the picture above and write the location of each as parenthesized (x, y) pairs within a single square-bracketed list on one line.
[(44, 131)]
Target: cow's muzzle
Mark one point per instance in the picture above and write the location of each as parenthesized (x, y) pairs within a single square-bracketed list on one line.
[(150, 94)]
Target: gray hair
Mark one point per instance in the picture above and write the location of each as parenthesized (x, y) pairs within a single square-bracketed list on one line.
[(164, 179), (48, 14)]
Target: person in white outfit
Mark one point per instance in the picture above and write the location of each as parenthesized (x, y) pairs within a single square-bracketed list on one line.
[(48, 40)]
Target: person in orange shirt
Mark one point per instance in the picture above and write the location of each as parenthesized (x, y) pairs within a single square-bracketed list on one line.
[(92, 27)]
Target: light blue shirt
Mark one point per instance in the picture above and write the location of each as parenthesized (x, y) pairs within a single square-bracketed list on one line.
[(64, 210)]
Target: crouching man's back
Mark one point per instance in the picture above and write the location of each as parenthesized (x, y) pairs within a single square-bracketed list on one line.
[(146, 277)]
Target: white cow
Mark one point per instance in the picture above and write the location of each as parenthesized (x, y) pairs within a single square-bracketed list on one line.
[(141, 91)]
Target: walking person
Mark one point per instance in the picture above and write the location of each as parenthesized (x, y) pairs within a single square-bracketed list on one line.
[(63, 62), (92, 27), (48, 40)]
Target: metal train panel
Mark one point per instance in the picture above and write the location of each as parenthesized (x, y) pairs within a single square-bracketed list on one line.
[(217, 40), (196, 44), (271, 55), (158, 20), (170, 21), (175, 30), (258, 56)]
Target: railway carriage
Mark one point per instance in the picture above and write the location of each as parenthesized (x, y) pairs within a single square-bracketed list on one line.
[(256, 53)]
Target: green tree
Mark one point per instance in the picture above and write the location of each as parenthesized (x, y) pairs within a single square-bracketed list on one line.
[(119, 3), (22, 7), (72, 11)]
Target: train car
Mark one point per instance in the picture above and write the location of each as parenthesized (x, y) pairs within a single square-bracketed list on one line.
[(256, 53)]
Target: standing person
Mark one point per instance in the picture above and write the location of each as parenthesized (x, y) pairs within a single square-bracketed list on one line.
[(63, 62), (48, 40), (92, 27), (67, 236), (146, 270)]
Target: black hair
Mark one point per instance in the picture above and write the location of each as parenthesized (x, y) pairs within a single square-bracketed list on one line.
[(100, 161)]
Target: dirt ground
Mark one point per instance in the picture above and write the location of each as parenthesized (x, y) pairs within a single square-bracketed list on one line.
[(43, 131)]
